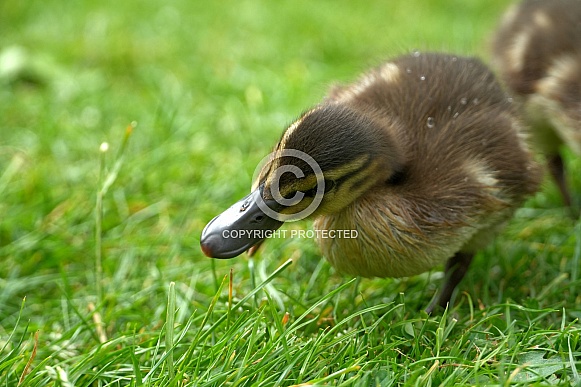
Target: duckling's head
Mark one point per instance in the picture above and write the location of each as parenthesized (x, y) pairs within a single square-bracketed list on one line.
[(324, 161)]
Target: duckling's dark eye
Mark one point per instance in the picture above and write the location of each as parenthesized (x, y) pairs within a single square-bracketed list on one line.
[(311, 193), (329, 185)]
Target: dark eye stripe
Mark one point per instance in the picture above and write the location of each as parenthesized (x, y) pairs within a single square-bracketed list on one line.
[(330, 184), (348, 176)]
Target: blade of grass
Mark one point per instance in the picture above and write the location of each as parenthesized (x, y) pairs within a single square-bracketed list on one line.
[(10, 171), (119, 159), (201, 334), (169, 327), (230, 283), (9, 338), (99, 226), (26, 370), (135, 362), (576, 258), (251, 294), (105, 182)]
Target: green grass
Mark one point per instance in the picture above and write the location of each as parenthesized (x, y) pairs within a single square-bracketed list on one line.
[(211, 85)]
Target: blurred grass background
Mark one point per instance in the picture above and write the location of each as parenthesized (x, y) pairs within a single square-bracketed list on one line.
[(211, 86)]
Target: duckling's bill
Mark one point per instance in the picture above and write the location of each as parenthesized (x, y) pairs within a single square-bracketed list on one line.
[(239, 228)]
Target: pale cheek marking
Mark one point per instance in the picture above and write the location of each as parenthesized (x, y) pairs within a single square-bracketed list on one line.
[(355, 186), (346, 168), (351, 189)]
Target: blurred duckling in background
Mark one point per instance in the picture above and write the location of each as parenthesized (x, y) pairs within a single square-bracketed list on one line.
[(537, 50), (425, 157)]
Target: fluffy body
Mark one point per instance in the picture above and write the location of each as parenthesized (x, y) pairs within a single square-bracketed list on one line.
[(428, 158)]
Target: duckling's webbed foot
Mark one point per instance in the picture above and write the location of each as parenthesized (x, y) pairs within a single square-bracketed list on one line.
[(557, 169), (456, 268)]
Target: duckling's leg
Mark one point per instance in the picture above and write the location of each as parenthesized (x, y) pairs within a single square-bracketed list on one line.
[(557, 169), (456, 268)]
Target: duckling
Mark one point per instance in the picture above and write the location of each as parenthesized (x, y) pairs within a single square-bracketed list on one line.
[(424, 157), (537, 51)]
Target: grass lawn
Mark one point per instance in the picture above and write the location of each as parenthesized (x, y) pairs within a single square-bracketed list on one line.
[(102, 282)]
